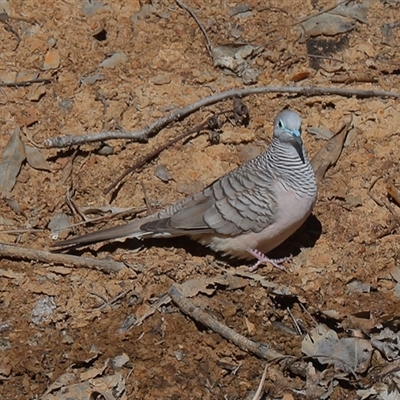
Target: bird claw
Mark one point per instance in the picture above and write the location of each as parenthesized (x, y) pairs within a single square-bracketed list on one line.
[(263, 259)]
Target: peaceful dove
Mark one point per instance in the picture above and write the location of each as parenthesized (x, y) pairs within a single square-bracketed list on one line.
[(245, 213)]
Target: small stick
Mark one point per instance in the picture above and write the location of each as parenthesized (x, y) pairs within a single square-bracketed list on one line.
[(324, 57), (369, 191), (156, 126), (74, 208), (325, 10), (111, 302), (18, 231), (115, 299), (21, 253), (296, 325), (257, 395), (25, 83), (186, 306), (208, 42)]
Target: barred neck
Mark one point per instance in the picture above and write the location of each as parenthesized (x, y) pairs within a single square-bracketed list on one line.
[(284, 164)]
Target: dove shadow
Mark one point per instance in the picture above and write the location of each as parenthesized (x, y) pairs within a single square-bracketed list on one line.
[(305, 237)]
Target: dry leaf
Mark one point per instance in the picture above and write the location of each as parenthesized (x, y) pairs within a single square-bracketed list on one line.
[(118, 362), (43, 309), (354, 10), (12, 159), (60, 226), (320, 133), (109, 387), (330, 153), (93, 372), (35, 159), (14, 205), (24, 76), (6, 221), (325, 24), (324, 344)]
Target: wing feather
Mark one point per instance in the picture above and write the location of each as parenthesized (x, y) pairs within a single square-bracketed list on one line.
[(239, 202)]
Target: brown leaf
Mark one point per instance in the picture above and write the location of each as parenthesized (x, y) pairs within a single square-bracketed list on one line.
[(35, 159), (325, 24), (330, 153), (60, 225), (13, 157)]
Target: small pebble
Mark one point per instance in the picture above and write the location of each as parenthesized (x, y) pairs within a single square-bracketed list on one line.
[(106, 150), (162, 173), (161, 80)]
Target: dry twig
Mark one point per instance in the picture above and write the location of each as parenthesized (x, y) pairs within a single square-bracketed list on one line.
[(325, 10), (21, 253), (257, 395), (194, 16), (25, 83), (369, 191), (143, 134), (186, 306)]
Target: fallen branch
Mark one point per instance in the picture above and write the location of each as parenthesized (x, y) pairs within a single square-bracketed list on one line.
[(143, 134), (186, 306), (21, 253)]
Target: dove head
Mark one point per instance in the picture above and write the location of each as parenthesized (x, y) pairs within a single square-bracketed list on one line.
[(287, 129)]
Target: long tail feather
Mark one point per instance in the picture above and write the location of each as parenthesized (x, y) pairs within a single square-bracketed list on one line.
[(129, 230)]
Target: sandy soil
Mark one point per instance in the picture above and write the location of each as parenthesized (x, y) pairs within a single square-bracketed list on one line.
[(345, 258)]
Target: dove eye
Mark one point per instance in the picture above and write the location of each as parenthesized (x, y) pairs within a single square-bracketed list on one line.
[(280, 124)]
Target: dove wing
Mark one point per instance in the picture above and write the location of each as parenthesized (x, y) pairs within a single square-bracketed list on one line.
[(241, 201)]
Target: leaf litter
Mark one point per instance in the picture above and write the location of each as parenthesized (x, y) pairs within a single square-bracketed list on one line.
[(346, 279)]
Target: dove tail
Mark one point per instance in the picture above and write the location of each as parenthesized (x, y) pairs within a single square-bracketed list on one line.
[(129, 230)]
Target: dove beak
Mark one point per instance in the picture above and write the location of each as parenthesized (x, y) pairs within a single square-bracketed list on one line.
[(298, 145)]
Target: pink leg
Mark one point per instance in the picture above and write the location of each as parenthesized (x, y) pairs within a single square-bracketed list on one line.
[(263, 259)]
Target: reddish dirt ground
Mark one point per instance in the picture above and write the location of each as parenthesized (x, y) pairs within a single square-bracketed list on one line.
[(164, 65)]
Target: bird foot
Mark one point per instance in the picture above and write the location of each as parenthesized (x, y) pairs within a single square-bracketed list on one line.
[(263, 259)]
